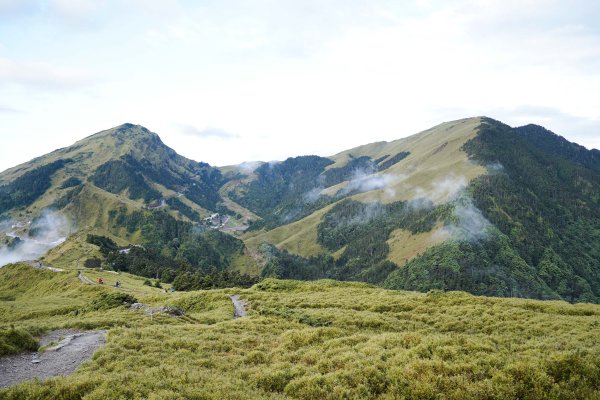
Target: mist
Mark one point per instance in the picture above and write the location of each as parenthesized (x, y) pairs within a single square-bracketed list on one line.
[(249, 167), (447, 188), (496, 166), (366, 181), (312, 195), (469, 222), (35, 238)]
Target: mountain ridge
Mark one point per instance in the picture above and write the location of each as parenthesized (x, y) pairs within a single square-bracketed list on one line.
[(383, 212)]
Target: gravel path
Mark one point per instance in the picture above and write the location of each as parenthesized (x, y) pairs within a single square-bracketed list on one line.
[(239, 306), (72, 348)]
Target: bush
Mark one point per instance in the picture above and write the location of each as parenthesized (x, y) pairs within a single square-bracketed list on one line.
[(92, 263), (16, 340), (107, 301)]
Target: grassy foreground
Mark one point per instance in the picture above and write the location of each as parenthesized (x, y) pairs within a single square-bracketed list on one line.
[(310, 340)]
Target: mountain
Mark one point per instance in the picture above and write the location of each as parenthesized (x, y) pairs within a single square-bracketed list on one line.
[(118, 188), (471, 205), (130, 165)]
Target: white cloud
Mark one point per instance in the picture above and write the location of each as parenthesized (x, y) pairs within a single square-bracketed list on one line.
[(366, 181), (469, 223), (441, 190), (293, 78), (42, 76), (208, 132)]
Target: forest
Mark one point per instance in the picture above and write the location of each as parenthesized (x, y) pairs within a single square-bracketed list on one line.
[(174, 248), (28, 187)]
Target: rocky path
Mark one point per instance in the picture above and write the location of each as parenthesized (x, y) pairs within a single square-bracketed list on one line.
[(239, 306), (68, 349)]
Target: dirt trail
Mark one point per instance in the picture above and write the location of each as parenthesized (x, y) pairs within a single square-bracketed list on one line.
[(39, 265), (84, 279), (87, 281), (63, 358), (239, 306)]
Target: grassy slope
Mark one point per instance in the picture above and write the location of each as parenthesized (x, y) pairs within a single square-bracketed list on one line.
[(299, 237), (435, 155), (405, 246), (313, 340)]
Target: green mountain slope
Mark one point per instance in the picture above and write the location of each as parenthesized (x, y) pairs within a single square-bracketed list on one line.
[(544, 203), (470, 205)]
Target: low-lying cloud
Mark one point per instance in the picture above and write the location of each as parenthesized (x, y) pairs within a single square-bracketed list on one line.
[(46, 232), (469, 223), (447, 188), (496, 166), (313, 195), (249, 167), (366, 181)]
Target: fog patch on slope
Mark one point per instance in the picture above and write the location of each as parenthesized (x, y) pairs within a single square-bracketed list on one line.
[(467, 221), (44, 233), (248, 167), (442, 190), (312, 195), (364, 180), (496, 166)]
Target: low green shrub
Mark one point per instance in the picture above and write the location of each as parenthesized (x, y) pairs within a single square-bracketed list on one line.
[(107, 301), (15, 340)]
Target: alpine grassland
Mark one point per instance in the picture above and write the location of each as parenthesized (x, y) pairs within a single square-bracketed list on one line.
[(304, 340)]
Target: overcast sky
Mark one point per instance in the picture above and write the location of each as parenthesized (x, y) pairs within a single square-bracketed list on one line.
[(232, 81)]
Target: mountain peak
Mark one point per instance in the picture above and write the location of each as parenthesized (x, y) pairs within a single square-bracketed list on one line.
[(126, 130)]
